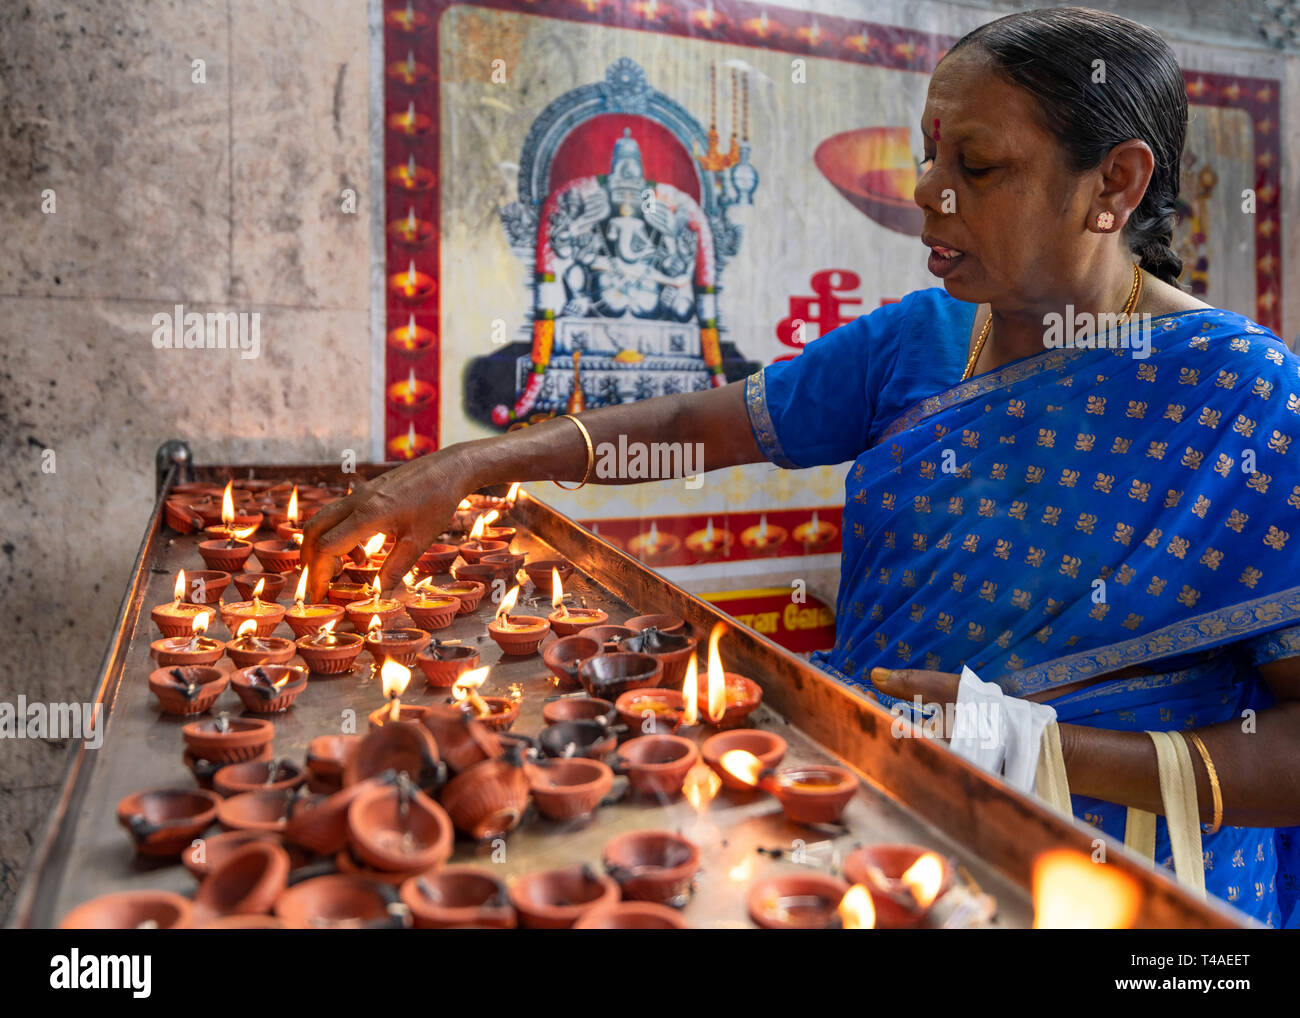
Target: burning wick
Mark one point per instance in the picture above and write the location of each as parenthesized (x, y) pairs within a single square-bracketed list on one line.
[(263, 684), (375, 630), (466, 689), (512, 494), (300, 594), (246, 635), (557, 593), (325, 634), (179, 590), (857, 910), (717, 677), (395, 678), (507, 603), (372, 547), (257, 597), (292, 514), (476, 531), (197, 628), (691, 694)]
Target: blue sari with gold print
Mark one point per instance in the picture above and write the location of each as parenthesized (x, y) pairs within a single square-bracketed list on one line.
[(1074, 513)]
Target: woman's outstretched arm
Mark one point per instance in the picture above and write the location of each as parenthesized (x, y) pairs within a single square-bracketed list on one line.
[(414, 502)]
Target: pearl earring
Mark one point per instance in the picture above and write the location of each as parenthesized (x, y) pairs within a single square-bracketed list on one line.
[(1105, 220)]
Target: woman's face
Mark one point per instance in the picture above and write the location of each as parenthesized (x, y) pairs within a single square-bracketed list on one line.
[(996, 191)]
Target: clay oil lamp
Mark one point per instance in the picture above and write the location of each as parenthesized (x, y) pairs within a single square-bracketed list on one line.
[(411, 395), (437, 559), (568, 789), (631, 915), (565, 656), (264, 810), (309, 619), (248, 649), (498, 713), (814, 535), (608, 636), (456, 896), (131, 910), (226, 554), (326, 757), (570, 621), (609, 676), (269, 688), (320, 825), (652, 547), (509, 562), (488, 799), (394, 678), (176, 617), (468, 592), (272, 775), (222, 740), (517, 635), (279, 554), (276, 517), (763, 539), (813, 794), (904, 881), (543, 572), (327, 652), (195, 649), (651, 711), (186, 691), (462, 740), (272, 587), (767, 747), (492, 533), (476, 546), (399, 828), (266, 614), (578, 708), (220, 515), (486, 573), (246, 883), (205, 586), (444, 661), (656, 765), (657, 866), (360, 613), (394, 644), (337, 901), (663, 623), (672, 650), (592, 740), (431, 611), (709, 544), (344, 592), (727, 698), (164, 821), (365, 571), (205, 854), (797, 901), (556, 899)]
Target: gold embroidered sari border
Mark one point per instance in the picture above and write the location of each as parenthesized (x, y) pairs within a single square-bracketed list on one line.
[(760, 418)]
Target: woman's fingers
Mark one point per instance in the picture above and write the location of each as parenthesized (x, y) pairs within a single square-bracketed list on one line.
[(907, 683), (399, 562)]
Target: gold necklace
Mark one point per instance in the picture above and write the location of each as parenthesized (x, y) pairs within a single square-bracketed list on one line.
[(1129, 305)]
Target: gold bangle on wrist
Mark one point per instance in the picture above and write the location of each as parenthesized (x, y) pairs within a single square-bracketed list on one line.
[(1215, 791), (591, 453)]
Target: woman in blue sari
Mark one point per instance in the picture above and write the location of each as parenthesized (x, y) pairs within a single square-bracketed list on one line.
[(1107, 526)]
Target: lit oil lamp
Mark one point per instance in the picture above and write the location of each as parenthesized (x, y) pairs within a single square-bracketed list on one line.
[(411, 445), (653, 547), (394, 677), (567, 621), (492, 533), (234, 525), (409, 122), (1071, 892), (277, 514), (408, 19), (400, 645), (517, 634), (904, 881), (468, 592), (708, 544), (280, 554), (814, 535), (306, 619), (410, 72), (497, 712), (708, 18), (763, 539), (411, 395), (195, 649), (412, 285), (431, 611), (411, 340), (365, 571), (856, 909), (248, 649), (476, 546), (798, 901), (176, 617), (329, 653), (728, 697), (412, 178), (816, 794), (267, 614), (360, 612)]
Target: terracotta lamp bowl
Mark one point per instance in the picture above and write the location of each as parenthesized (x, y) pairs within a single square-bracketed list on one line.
[(539, 572), (556, 899), (272, 585), (173, 650), (442, 666), (502, 713), (523, 636), (164, 821), (130, 910), (568, 789), (254, 775), (363, 573), (487, 800), (574, 620), (211, 583), (312, 618), (225, 556), (407, 712), (345, 593), (248, 882), (458, 896), (338, 901), (437, 559), (767, 746), (471, 552), (651, 711), (261, 810), (608, 636), (609, 676), (245, 653), (657, 866), (277, 555), (631, 915), (176, 698), (286, 683), (797, 901), (564, 656), (656, 765), (433, 613), (590, 739), (236, 613), (462, 740), (205, 770), (321, 825), (360, 612), (743, 697), (400, 747), (896, 908), (468, 592), (816, 794), (203, 858), (244, 739), (327, 755), (178, 620), (513, 561), (389, 835), (663, 623), (483, 572), (330, 658), (672, 649), (400, 645), (578, 708)]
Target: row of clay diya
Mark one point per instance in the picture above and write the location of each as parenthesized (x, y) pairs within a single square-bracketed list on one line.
[(711, 543)]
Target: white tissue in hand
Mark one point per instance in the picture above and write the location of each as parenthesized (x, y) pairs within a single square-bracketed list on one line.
[(999, 732)]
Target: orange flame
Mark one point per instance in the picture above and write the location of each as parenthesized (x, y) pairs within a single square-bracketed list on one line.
[(199, 625), (1071, 892), (462, 505), (557, 591), (691, 693), (257, 590), (857, 910), (508, 602), (293, 505), (717, 677), (513, 493), (373, 545), (301, 593), (376, 624), (243, 534), (742, 765), (179, 590), (246, 628), (227, 505), (394, 678), (466, 688), (409, 579), (327, 629), (924, 878), (476, 531), (701, 785)]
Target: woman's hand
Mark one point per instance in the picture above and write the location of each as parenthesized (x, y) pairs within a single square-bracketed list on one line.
[(412, 504), (937, 688)]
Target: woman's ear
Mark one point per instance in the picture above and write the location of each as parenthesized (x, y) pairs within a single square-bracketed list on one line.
[(1125, 172)]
